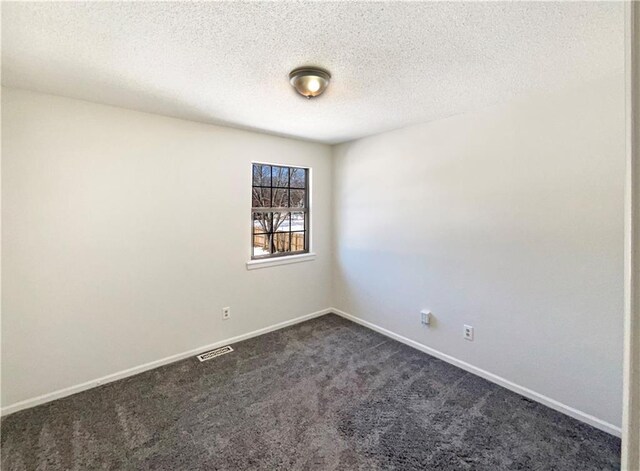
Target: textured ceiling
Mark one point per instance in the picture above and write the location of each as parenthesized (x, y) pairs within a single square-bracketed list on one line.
[(393, 64)]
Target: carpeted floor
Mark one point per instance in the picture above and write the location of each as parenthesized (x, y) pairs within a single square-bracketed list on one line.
[(325, 394)]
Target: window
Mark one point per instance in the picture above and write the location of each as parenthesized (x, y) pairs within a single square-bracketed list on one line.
[(280, 211)]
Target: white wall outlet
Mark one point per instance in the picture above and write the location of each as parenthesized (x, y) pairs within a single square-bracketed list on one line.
[(468, 333), (226, 313), (425, 317)]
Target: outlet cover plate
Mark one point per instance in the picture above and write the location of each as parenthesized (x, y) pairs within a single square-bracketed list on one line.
[(468, 333)]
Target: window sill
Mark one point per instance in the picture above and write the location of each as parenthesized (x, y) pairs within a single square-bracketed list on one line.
[(273, 262)]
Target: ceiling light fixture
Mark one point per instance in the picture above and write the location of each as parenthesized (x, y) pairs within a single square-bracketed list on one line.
[(309, 81)]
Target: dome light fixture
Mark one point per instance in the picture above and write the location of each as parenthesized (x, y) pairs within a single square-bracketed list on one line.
[(309, 81)]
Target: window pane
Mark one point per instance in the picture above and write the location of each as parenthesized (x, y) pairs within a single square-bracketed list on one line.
[(298, 178), (262, 222), (281, 222), (280, 198), (262, 175), (282, 242), (261, 197), (297, 199), (297, 222), (261, 245), (280, 176), (298, 241)]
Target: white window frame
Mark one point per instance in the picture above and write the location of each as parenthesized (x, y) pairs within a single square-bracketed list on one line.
[(284, 259)]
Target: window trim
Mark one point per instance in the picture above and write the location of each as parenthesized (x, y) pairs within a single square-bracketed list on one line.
[(283, 257), (282, 260)]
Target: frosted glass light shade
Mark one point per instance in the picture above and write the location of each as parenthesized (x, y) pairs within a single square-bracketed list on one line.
[(309, 81)]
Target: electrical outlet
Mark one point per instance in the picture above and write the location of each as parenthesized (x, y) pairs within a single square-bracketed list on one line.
[(468, 333), (425, 317), (226, 313)]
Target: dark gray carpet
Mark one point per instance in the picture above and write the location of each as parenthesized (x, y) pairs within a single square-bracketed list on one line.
[(326, 394)]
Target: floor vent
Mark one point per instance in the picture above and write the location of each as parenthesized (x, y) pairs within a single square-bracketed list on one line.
[(214, 353)]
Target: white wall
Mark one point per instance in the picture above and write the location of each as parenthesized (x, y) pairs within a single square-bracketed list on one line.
[(510, 220), (124, 234)]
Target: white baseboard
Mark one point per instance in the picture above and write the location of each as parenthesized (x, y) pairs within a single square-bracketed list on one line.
[(547, 401), (35, 401)]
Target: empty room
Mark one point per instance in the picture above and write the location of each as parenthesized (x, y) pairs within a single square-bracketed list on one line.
[(320, 236)]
